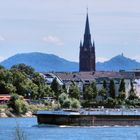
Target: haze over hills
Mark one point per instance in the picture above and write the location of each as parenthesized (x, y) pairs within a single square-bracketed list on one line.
[(117, 63), (48, 62), (41, 62)]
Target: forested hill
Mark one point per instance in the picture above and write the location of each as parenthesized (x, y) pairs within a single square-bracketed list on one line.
[(48, 62)]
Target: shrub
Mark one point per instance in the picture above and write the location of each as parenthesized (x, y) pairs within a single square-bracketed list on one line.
[(62, 98), (75, 103), (17, 104), (67, 103)]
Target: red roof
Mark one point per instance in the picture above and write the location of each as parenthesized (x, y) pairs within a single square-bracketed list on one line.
[(4, 97)]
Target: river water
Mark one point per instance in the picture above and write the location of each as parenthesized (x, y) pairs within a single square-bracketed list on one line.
[(34, 132)]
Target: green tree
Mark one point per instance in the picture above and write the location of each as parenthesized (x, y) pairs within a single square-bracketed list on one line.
[(88, 93), (67, 103), (102, 93), (122, 95), (112, 88), (56, 88), (110, 102), (17, 104), (95, 91), (75, 103), (6, 78), (23, 68), (62, 98), (38, 79), (132, 87), (122, 86), (104, 84), (64, 88), (132, 96), (74, 91)]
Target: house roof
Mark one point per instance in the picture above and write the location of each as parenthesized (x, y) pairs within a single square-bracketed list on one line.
[(90, 76), (4, 97)]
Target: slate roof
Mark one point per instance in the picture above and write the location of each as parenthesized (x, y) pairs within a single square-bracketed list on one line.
[(90, 76)]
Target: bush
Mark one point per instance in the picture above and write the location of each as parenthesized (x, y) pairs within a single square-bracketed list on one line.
[(62, 98), (75, 103), (67, 103), (17, 104)]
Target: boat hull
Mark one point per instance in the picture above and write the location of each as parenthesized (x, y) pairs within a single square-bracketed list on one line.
[(89, 120)]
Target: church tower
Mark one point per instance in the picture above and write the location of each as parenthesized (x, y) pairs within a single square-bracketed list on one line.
[(87, 51)]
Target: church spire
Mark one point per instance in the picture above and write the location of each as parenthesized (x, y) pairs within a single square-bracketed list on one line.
[(87, 36), (87, 29), (87, 55)]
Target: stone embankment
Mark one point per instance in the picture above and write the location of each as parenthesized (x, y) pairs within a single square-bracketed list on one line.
[(5, 113)]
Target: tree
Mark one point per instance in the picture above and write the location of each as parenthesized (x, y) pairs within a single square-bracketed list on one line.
[(132, 96), (122, 86), (95, 91), (74, 91), (75, 103), (88, 93), (102, 93), (67, 103), (56, 88), (38, 79), (23, 68), (104, 84), (122, 96), (62, 98), (132, 87), (64, 88), (112, 88), (17, 104), (6, 78), (110, 102)]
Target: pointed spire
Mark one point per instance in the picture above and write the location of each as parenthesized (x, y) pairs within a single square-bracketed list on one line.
[(87, 37), (87, 29)]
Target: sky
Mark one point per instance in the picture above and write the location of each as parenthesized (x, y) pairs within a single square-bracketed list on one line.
[(57, 26)]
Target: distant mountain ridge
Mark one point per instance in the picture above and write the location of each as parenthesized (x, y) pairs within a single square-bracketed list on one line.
[(48, 62), (117, 63), (41, 62)]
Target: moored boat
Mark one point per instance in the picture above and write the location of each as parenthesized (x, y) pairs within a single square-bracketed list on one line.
[(94, 117)]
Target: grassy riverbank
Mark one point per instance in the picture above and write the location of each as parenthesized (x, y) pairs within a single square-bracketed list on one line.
[(7, 112)]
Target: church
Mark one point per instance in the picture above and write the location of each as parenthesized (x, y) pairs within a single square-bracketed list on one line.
[(87, 59), (87, 70)]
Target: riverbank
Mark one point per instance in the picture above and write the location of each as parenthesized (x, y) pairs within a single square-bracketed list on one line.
[(6, 113)]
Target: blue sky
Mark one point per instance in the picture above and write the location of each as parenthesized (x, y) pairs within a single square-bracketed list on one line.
[(57, 26)]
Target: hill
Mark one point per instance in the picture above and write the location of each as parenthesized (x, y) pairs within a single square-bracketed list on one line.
[(49, 62), (41, 62), (117, 63)]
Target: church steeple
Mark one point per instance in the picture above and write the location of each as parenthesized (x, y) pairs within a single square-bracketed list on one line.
[(87, 28), (87, 36), (87, 51)]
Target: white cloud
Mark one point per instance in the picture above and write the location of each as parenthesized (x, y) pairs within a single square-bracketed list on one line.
[(101, 59), (53, 40), (2, 38)]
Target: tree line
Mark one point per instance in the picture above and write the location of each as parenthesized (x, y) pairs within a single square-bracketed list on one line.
[(21, 81)]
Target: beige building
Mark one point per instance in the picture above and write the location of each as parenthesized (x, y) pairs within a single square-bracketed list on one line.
[(85, 78)]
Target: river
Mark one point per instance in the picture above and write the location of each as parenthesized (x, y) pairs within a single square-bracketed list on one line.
[(34, 132)]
